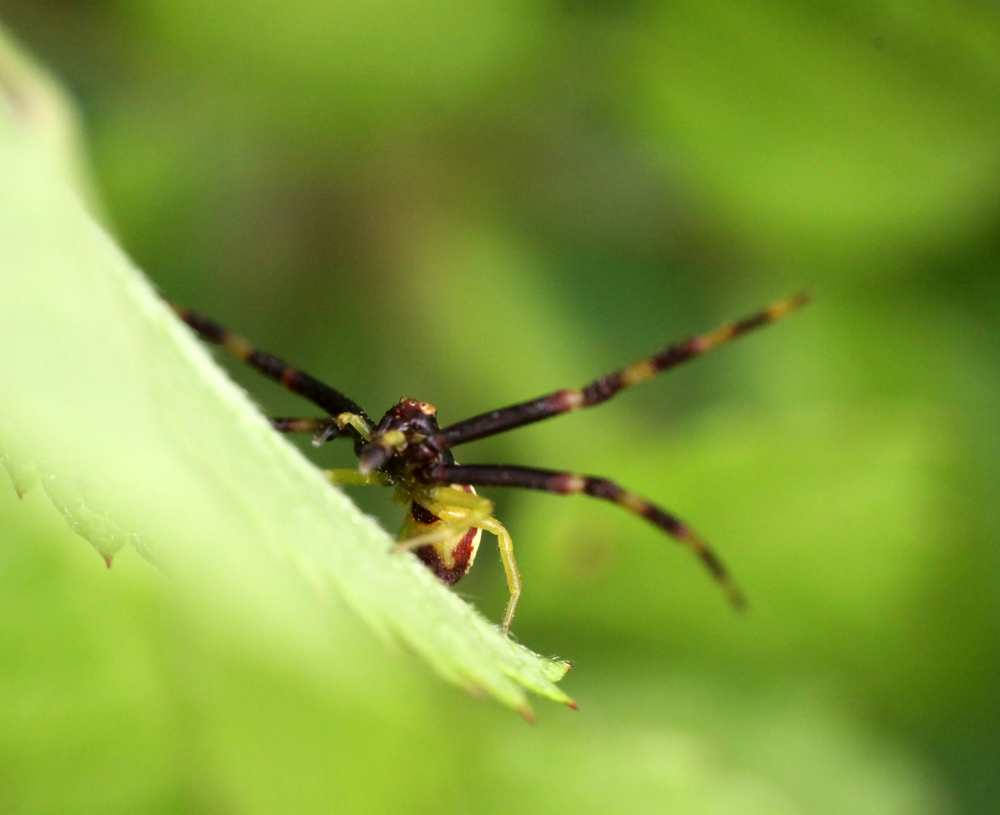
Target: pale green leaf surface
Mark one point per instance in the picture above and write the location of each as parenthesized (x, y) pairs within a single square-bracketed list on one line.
[(139, 439), (44, 112)]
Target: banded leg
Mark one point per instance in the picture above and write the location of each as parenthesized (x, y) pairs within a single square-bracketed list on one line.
[(329, 399), (324, 429), (600, 390), (494, 475), (289, 424)]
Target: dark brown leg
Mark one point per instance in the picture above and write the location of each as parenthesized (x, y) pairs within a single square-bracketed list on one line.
[(495, 475), (600, 390), (324, 430), (329, 399), (298, 425)]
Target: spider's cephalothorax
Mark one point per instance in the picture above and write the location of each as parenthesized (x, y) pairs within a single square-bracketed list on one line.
[(438, 532), (407, 450), (401, 443)]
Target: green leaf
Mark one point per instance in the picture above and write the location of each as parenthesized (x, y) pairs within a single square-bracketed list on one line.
[(140, 440)]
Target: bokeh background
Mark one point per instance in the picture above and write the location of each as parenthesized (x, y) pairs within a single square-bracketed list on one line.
[(473, 203)]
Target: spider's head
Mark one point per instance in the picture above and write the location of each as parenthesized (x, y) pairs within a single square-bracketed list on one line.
[(401, 431)]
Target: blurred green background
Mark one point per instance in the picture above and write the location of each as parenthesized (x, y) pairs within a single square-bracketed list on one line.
[(473, 203)]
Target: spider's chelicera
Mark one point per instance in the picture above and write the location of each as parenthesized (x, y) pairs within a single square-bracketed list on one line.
[(407, 450)]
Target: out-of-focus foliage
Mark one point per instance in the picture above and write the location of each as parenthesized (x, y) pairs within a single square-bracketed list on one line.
[(472, 203)]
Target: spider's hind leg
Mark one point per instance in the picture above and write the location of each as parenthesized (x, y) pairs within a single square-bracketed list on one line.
[(457, 511), (353, 478), (454, 511), (506, 545)]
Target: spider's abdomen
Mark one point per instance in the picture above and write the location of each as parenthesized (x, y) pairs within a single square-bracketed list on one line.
[(449, 558)]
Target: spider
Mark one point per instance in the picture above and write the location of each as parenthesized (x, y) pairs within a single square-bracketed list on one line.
[(407, 450)]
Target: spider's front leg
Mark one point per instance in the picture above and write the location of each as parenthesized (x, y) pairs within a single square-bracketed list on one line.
[(323, 430), (564, 483)]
